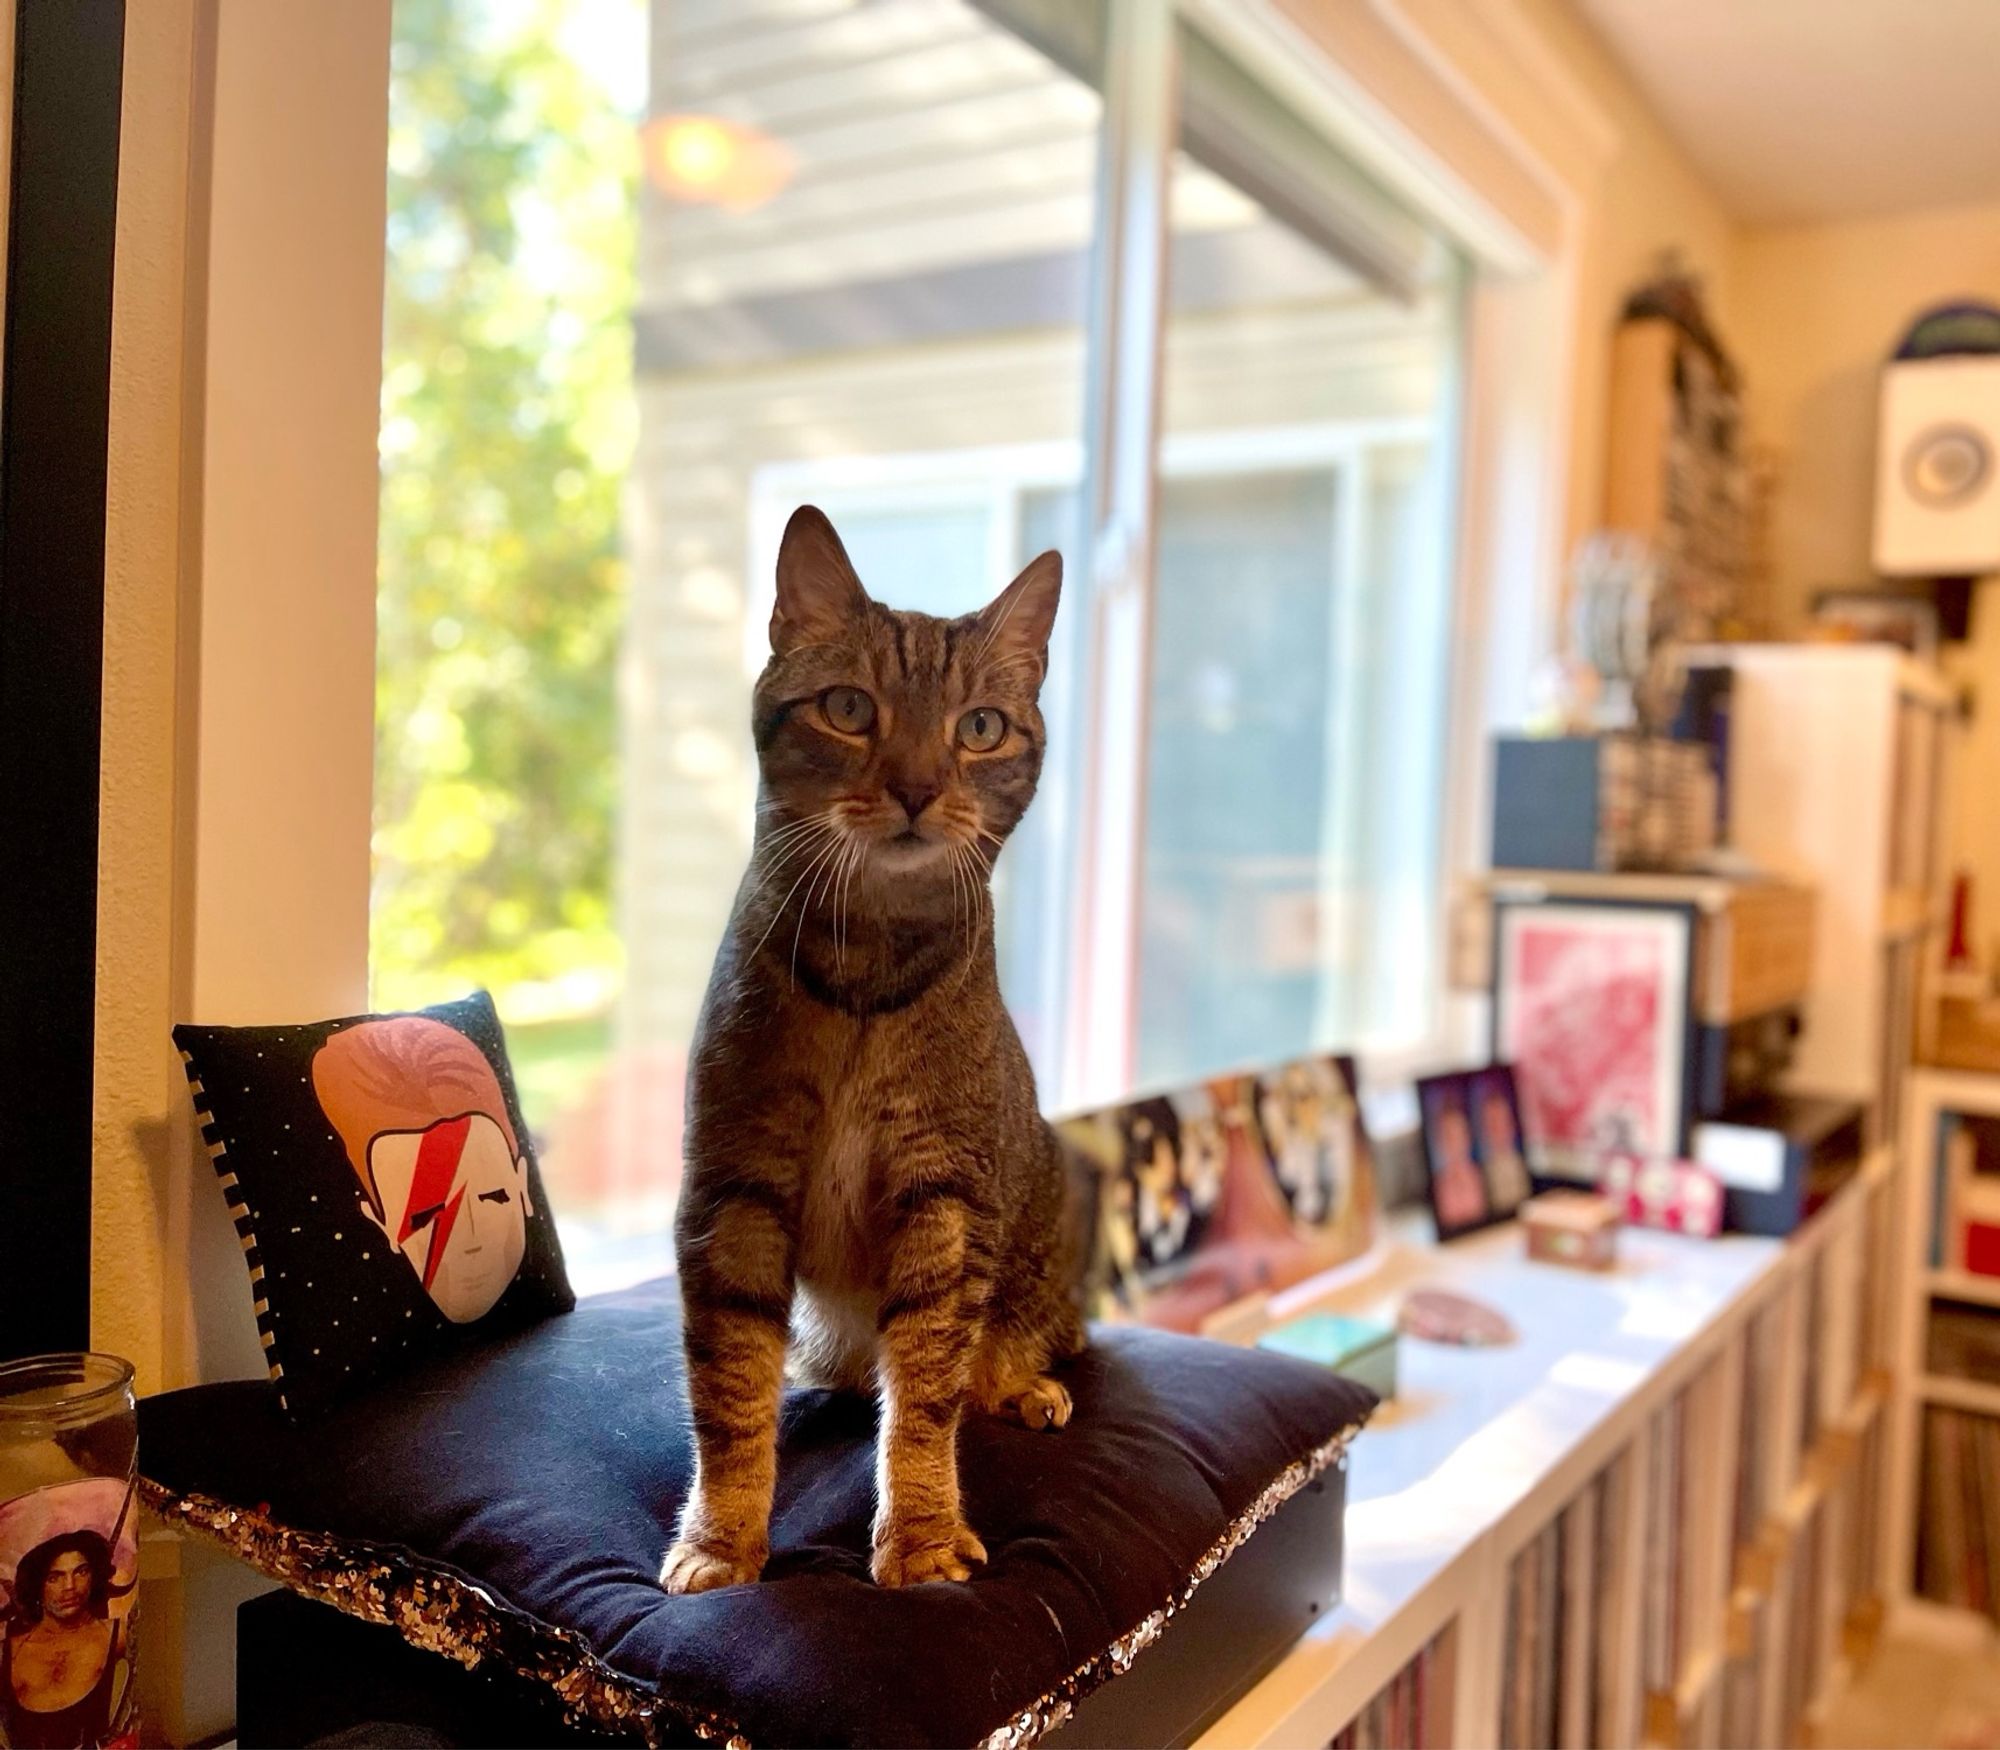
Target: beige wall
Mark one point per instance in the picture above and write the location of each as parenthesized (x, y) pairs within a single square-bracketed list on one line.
[(1625, 193), (1640, 201), (1821, 307), (239, 610), (140, 1092)]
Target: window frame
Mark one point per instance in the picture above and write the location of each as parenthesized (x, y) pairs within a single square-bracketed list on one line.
[(64, 123)]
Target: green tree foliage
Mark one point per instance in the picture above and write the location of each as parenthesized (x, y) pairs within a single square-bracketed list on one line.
[(507, 430)]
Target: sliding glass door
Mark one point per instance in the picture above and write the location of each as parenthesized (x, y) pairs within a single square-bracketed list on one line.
[(979, 279)]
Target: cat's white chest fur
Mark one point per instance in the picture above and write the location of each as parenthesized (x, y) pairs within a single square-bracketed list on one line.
[(833, 1237), (833, 1323)]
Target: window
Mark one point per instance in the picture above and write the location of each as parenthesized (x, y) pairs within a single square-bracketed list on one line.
[(843, 254)]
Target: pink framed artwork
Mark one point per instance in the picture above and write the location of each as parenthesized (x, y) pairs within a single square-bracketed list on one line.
[(1590, 1005)]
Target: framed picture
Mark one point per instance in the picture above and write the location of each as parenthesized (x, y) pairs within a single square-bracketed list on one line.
[(1235, 1186), (1475, 1161), (1591, 1007)]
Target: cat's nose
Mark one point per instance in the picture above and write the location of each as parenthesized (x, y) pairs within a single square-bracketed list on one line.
[(915, 794)]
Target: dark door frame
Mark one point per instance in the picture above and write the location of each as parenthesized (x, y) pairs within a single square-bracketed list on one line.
[(54, 421)]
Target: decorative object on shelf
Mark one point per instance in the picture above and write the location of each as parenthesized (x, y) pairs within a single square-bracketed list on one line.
[(1624, 671), (1959, 958), (1240, 1185), (1602, 802), (1679, 1197), (1575, 1228), (1359, 1349), (1966, 1232), (384, 1187), (1703, 720), (1439, 1316), (1877, 616), (1780, 1157), (69, 1552), (1675, 476), (1963, 1032), (1937, 476), (1475, 1162), (1591, 1006), (1579, 963), (1615, 631)]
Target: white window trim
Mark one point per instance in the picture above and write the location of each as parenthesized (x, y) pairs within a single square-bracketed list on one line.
[(994, 478)]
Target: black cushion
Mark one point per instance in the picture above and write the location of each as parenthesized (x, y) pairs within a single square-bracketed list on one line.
[(547, 1468), (383, 1185)]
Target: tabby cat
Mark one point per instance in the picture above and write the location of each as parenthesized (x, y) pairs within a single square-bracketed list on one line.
[(869, 1181)]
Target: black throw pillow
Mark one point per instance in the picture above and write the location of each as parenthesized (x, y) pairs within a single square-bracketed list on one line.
[(383, 1186)]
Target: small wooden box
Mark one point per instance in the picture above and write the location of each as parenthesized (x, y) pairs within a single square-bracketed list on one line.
[(1577, 1228)]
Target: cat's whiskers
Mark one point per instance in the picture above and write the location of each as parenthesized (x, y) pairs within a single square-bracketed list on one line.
[(791, 853), (813, 896), (820, 853), (961, 852), (792, 830), (856, 851)]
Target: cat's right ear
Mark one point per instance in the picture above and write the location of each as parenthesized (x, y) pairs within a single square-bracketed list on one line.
[(819, 596)]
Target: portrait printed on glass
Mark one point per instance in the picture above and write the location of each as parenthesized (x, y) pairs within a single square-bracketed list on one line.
[(69, 1571)]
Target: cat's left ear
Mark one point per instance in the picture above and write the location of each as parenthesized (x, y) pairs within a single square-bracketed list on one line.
[(1018, 620)]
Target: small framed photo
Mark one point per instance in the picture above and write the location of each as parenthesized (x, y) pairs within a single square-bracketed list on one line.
[(1501, 1139), (1475, 1159)]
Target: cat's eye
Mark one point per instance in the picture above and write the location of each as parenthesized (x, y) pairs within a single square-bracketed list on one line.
[(847, 709), (981, 729)]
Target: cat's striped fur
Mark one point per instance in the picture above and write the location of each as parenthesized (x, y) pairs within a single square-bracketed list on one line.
[(869, 1181)]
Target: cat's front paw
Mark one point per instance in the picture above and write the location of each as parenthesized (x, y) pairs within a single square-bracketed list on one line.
[(911, 1555), (700, 1565), (1045, 1404)]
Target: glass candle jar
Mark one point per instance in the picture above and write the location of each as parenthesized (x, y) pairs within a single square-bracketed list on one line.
[(69, 1552)]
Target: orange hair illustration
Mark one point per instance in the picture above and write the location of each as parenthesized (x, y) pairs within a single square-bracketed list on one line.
[(405, 1072)]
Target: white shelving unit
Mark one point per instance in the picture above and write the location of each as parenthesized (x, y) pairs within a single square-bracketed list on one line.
[(1619, 1387), (1933, 1094), (1727, 1427), (1839, 759)]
